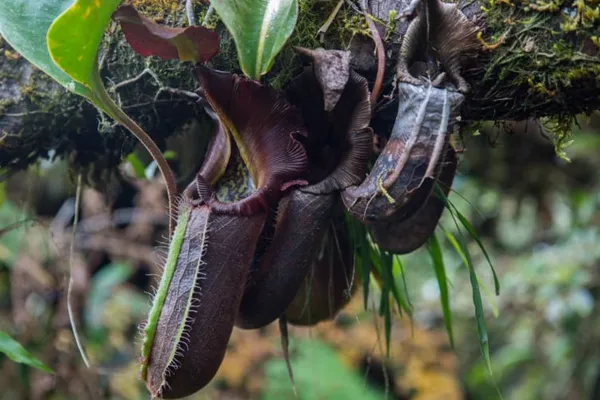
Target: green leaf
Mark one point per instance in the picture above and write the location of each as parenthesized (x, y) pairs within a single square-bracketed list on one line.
[(137, 165), (464, 253), (319, 373), (361, 254), (492, 300), (387, 260), (389, 278), (101, 290), (480, 318), (74, 38), (401, 297), (17, 353), (437, 259), (465, 222), (259, 28), (24, 25)]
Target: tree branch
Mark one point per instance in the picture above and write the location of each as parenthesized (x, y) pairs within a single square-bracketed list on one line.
[(536, 60)]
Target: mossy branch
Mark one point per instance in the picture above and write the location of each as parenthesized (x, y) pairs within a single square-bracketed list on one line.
[(537, 59)]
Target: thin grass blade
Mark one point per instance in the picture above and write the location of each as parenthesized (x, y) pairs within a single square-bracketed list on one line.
[(437, 259)]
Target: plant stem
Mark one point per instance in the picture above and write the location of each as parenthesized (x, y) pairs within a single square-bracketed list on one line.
[(115, 112), (380, 55)]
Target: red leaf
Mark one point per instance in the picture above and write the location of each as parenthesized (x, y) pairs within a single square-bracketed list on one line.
[(147, 38)]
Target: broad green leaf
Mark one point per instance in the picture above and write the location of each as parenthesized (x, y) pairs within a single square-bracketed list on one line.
[(260, 28), (17, 353), (24, 25), (437, 259), (319, 374), (74, 38)]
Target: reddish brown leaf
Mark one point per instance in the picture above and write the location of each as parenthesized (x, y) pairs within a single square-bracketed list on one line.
[(147, 38)]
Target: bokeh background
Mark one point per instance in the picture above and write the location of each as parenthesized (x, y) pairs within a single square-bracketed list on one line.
[(536, 213)]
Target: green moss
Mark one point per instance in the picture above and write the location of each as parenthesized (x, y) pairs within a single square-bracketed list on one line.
[(533, 53), (313, 14), (4, 104), (561, 128), (391, 25)]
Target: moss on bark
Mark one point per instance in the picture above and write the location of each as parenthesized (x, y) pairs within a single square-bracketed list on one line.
[(536, 60)]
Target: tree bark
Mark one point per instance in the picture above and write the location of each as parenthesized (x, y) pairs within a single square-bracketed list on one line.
[(535, 60)]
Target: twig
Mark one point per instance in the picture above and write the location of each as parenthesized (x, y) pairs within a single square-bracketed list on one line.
[(137, 78), (84, 356)]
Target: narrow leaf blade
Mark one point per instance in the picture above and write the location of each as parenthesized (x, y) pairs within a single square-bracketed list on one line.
[(361, 254), (388, 283), (401, 296), (464, 253), (17, 353), (465, 222), (437, 259), (469, 227)]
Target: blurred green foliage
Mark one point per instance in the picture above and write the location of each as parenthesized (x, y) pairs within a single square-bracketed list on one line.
[(536, 215), (318, 374)]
